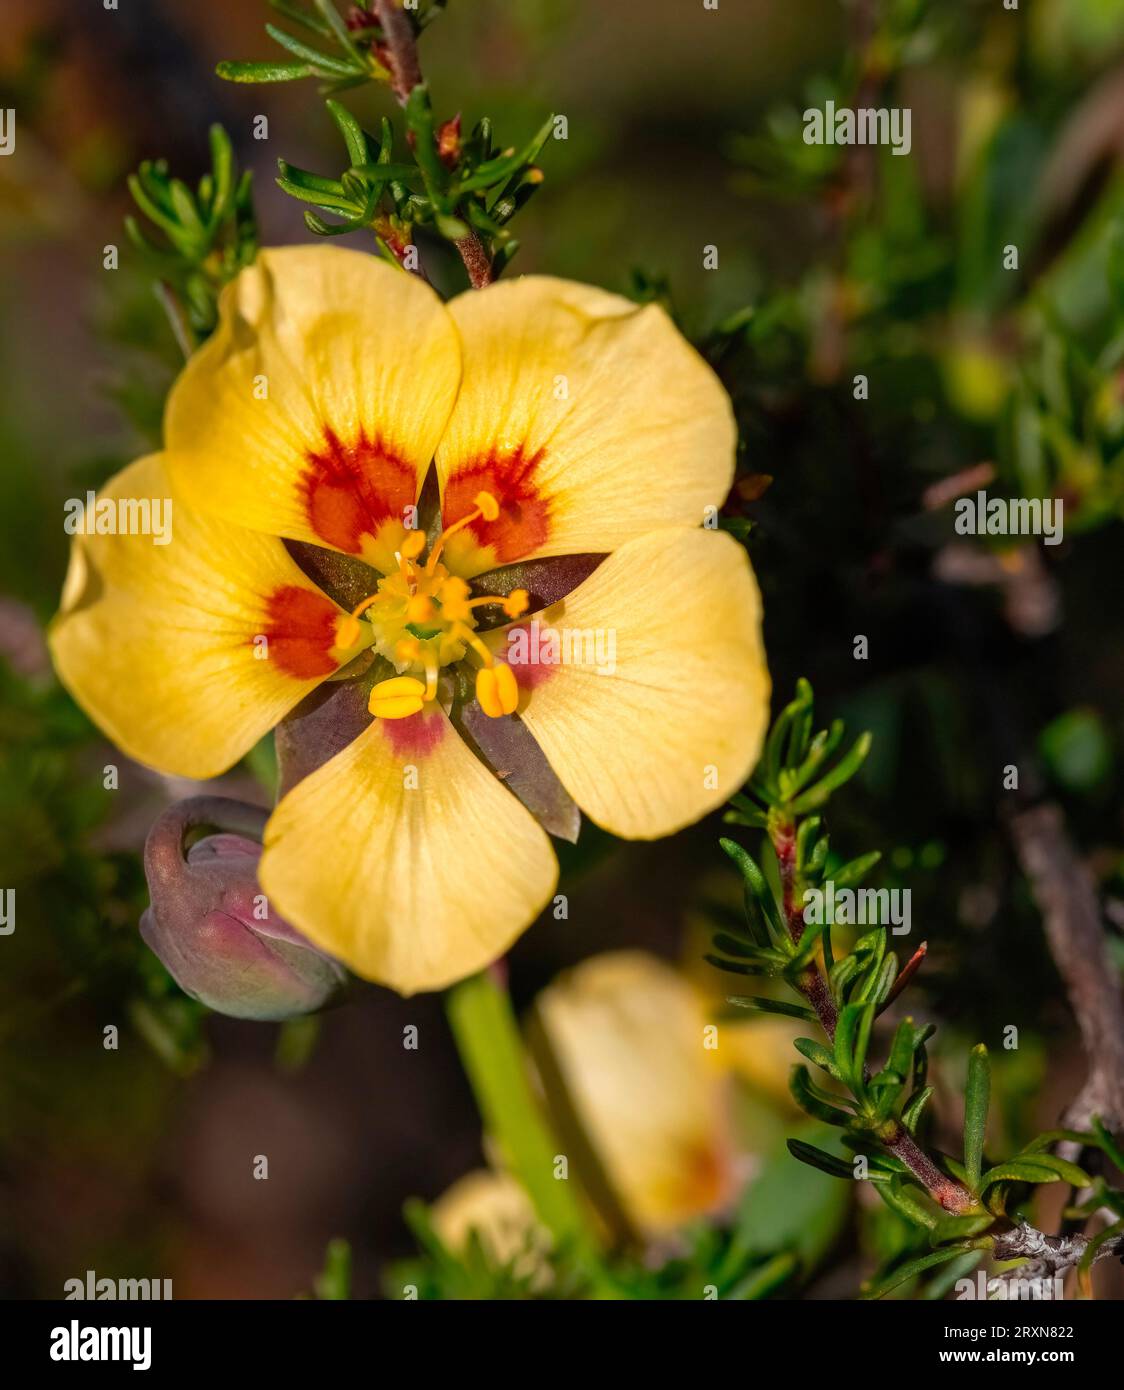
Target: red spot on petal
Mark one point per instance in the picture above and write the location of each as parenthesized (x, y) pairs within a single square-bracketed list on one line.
[(524, 520), (416, 735), (525, 653), (349, 490), (301, 628)]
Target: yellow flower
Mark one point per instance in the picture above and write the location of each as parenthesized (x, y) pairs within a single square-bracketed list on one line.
[(561, 421), (494, 1207), (627, 1033)]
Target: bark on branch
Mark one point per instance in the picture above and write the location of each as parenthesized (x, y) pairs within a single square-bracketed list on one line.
[(1064, 891)]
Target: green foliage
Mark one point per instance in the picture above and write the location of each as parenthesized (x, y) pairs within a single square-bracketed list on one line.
[(450, 186), (333, 1283), (710, 1262), (342, 53), (207, 236), (956, 1206), (87, 903), (476, 1272)]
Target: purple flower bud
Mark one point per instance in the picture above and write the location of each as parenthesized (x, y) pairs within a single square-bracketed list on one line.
[(212, 926)]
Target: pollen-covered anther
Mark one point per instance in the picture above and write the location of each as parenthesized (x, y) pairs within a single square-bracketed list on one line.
[(497, 690), (517, 603), (397, 698)]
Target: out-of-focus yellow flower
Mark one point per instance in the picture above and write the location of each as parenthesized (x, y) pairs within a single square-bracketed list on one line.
[(496, 1208), (631, 1044), (561, 421), (629, 1037)]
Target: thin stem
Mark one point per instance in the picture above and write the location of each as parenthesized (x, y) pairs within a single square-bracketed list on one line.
[(953, 1196), (399, 35), (812, 984), (476, 262), (487, 1036), (406, 74), (177, 318)]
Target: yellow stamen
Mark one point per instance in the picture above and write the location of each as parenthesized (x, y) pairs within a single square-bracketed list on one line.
[(497, 690), (486, 507), (455, 604), (397, 698), (514, 605), (517, 603), (460, 633), (431, 671), (348, 632)]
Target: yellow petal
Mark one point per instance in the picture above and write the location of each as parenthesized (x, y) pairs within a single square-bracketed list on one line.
[(628, 1033), (314, 409), (656, 710), (186, 653), (496, 1208), (406, 858), (588, 418)]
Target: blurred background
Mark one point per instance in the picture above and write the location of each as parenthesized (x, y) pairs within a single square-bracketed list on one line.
[(684, 132)]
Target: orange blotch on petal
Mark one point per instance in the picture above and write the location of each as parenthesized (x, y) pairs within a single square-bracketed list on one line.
[(300, 629), (523, 523), (351, 489)]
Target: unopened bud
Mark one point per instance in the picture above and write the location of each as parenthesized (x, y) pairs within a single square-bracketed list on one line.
[(214, 929)]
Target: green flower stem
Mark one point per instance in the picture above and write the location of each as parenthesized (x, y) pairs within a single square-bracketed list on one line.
[(487, 1036)]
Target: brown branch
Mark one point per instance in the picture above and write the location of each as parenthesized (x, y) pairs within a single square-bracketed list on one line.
[(398, 34), (406, 74), (1066, 897), (951, 1195), (1049, 1254)]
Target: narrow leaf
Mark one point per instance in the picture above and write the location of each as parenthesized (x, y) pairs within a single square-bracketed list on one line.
[(842, 772), (1018, 1170), (809, 1098), (819, 1055), (262, 72), (817, 1158), (976, 1098), (855, 870), (299, 16), (332, 201), (338, 27), (354, 137), (321, 62), (772, 1006), (911, 1269), (914, 1108)]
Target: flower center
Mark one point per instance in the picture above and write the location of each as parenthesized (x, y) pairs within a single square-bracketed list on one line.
[(423, 619)]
